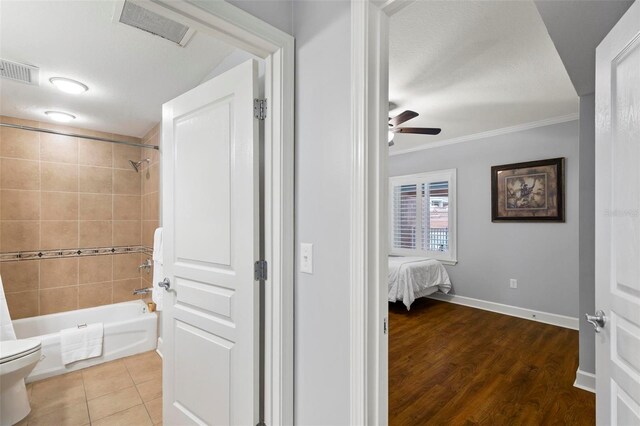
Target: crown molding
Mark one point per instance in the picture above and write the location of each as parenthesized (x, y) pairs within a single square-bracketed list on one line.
[(491, 133)]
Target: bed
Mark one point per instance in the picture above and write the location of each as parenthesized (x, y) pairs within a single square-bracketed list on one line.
[(414, 277)]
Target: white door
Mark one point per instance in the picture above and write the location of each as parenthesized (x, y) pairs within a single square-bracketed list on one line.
[(618, 222), (211, 236)]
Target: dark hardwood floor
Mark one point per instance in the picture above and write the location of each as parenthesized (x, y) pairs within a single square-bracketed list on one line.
[(454, 365)]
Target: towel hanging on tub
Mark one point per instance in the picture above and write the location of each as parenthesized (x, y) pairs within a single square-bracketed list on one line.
[(157, 295), (81, 342)]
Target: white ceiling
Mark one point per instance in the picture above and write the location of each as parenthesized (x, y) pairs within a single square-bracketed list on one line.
[(474, 67), (130, 73)]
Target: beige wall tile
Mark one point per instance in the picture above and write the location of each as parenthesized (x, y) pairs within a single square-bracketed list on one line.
[(20, 205), (126, 233), (113, 403), (97, 294), (123, 290), (23, 304), (151, 179), (126, 182), (93, 269), (59, 205), (126, 266), (55, 234), (19, 174), (95, 206), (18, 143), (20, 276), (58, 272), (61, 299), (122, 154), (16, 120), (151, 206), (95, 180), (126, 207), (59, 177), (20, 235), (148, 228), (57, 148), (96, 233), (95, 153)]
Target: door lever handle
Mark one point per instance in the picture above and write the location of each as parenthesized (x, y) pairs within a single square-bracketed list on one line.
[(597, 321), (166, 284)]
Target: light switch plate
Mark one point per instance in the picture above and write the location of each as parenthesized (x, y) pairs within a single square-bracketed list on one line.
[(306, 258)]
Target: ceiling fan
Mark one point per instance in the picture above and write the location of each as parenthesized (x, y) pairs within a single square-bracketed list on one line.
[(404, 116)]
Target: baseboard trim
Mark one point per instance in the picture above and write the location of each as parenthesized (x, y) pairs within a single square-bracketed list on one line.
[(514, 311), (585, 381), (159, 347)]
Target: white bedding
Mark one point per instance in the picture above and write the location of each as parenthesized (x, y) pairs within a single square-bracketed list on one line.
[(413, 277)]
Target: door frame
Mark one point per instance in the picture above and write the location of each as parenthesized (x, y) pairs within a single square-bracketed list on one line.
[(369, 390), (244, 31)]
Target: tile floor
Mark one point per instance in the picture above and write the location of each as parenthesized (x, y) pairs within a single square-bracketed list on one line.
[(127, 392)]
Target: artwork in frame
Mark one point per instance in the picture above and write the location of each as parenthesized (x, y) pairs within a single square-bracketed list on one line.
[(527, 192)]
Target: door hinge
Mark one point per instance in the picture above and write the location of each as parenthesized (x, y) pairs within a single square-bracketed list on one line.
[(384, 326), (260, 270), (260, 109)]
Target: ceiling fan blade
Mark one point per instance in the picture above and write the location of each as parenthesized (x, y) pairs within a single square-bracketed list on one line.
[(417, 130), (402, 117)]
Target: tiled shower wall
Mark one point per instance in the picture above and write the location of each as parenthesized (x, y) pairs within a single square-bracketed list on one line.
[(150, 195), (59, 192)]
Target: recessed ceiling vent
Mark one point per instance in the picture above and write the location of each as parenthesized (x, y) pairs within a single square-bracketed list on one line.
[(23, 73), (130, 13)]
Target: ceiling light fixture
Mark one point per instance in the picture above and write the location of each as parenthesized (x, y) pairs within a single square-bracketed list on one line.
[(69, 86), (62, 117)]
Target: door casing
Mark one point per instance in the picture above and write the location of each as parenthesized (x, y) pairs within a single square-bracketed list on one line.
[(244, 31)]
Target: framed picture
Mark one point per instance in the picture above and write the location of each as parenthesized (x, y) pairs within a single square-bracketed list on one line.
[(526, 192)]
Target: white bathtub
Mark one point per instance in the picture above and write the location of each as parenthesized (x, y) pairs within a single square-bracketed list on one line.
[(128, 329)]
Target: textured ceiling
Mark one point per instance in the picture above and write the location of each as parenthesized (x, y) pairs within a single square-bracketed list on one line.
[(577, 27), (130, 73), (473, 67)]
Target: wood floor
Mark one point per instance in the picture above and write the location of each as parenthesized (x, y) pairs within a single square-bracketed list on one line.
[(454, 365)]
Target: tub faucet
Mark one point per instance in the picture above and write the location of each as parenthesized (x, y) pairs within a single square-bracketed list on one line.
[(146, 265), (142, 290)]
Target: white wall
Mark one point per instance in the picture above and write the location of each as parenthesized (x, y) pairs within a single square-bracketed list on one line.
[(587, 231), (543, 257), (321, 363), (322, 31)]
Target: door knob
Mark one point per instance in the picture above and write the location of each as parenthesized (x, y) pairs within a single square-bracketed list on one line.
[(166, 284), (598, 320)]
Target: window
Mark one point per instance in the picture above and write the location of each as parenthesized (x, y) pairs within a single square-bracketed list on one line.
[(423, 215)]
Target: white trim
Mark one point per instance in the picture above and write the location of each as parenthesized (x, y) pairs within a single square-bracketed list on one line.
[(450, 257), (368, 215), (244, 31), (585, 381), (490, 133), (514, 311), (159, 347)]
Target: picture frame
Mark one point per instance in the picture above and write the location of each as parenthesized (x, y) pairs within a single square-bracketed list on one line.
[(531, 191)]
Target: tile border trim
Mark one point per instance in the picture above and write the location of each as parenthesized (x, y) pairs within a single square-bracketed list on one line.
[(79, 252)]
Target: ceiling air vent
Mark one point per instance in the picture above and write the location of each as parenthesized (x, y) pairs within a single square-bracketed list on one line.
[(23, 73), (130, 13)]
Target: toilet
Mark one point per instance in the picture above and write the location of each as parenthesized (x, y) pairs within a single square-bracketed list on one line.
[(17, 359)]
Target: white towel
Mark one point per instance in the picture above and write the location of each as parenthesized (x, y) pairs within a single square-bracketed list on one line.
[(6, 326), (80, 343), (157, 295)]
